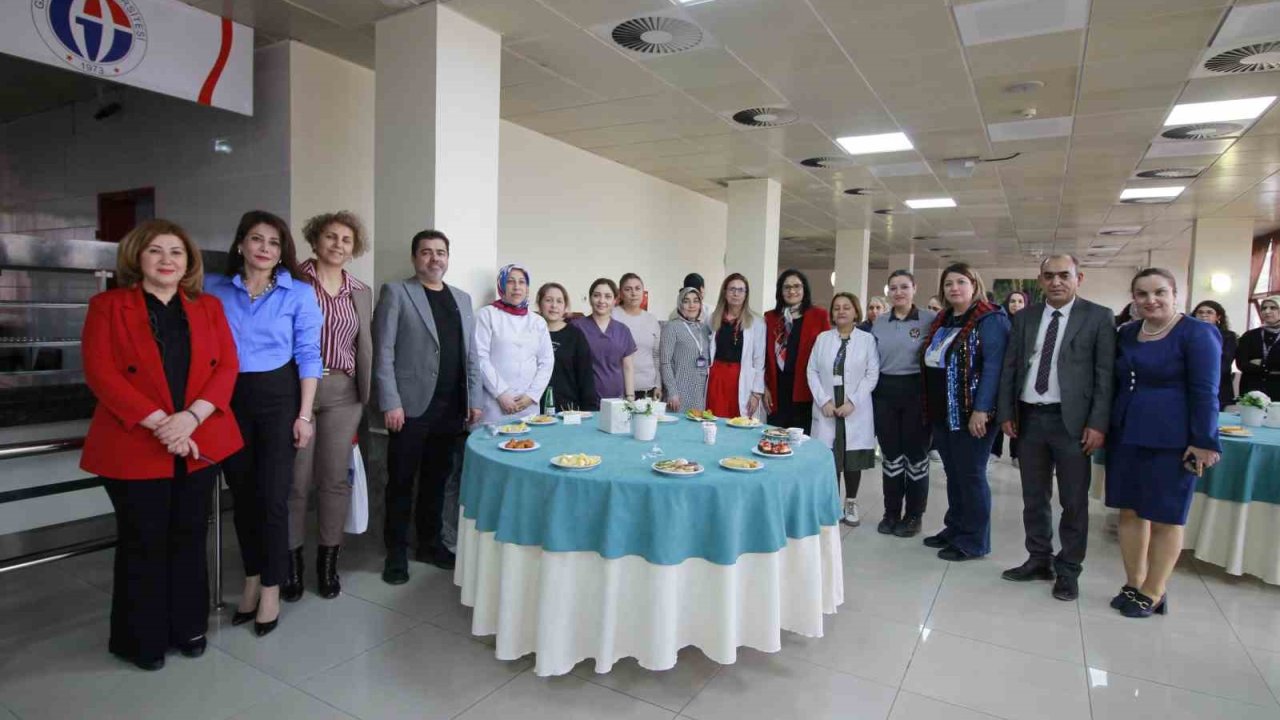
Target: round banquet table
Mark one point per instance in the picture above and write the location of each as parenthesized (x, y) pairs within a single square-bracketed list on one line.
[(1235, 516), (621, 561)]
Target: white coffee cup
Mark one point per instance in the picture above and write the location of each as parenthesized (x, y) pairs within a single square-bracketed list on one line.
[(709, 433), (795, 434)]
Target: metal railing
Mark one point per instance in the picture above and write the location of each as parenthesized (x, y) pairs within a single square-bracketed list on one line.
[(49, 447)]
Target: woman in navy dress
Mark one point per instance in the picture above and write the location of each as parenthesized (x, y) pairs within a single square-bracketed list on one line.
[(1164, 432)]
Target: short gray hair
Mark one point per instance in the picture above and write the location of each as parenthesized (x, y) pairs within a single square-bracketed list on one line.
[(1075, 261)]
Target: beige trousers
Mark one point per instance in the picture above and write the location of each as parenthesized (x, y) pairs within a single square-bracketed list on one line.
[(323, 463)]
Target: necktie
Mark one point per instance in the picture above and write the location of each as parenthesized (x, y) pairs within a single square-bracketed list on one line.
[(1046, 354)]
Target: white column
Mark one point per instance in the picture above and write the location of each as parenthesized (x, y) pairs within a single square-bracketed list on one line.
[(755, 213), (436, 156), (1220, 247), (853, 253)]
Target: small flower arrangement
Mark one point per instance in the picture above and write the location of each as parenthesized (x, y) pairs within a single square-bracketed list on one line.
[(642, 407), (1254, 399)]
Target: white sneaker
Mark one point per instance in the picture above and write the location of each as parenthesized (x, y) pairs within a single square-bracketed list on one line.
[(851, 513)]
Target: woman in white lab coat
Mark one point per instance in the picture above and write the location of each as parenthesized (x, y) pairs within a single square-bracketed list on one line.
[(843, 370), (514, 348), (735, 385)]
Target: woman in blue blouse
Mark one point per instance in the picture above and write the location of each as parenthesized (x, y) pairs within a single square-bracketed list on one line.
[(1164, 432), (961, 369), (276, 321)]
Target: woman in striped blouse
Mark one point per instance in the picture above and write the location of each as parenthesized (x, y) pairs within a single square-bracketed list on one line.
[(686, 354), (346, 347)]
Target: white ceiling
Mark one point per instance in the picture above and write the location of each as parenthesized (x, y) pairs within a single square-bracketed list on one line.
[(937, 70)]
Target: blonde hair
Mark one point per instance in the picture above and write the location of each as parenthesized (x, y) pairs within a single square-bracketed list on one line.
[(129, 256), (744, 320)]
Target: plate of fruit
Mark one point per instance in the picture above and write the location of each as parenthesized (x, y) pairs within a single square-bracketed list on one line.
[(742, 421), (773, 448), (542, 420), (513, 429), (576, 461), (521, 445), (741, 464), (679, 466), (700, 416)]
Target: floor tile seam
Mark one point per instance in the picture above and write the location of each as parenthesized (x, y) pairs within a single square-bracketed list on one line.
[(311, 676), (953, 703), (719, 669), (1184, 689), (1081, 660), (1084, 650), (1013, 650), (318, 699), (923, 625), (489, 694), (863, 678), (628, 695), (1236, 633)]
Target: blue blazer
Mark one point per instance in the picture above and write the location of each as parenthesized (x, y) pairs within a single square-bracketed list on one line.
[(1166, 393)]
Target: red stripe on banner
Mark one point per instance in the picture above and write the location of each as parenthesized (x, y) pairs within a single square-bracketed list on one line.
[(118, 15), (215, 72), (92, 10)]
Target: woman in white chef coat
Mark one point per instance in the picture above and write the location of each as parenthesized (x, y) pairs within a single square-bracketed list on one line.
[(514, 348), (735, 385), (843, 370)]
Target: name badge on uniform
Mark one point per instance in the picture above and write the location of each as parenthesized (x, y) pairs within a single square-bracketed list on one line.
[(701, 363)]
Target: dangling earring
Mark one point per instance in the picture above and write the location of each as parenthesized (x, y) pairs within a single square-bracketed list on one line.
[(238, 250)]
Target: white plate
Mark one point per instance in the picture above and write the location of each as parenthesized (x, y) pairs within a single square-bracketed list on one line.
[(762, 453), (668, 419), (752, 426), (574, 467), (522, 432), (739, 469), (502, 446), (686, 417), (701, 469), (531, 422), (585, 415)]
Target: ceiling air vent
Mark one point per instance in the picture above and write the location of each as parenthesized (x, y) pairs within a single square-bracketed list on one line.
[(765, 117), (1169, 173), (1202, 131), (887, 211), (1259, 57), (859, 191), (657, 35), (827, 161), (1120, 230)]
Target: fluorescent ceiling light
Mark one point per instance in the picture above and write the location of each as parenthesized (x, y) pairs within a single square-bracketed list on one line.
[(868, 144), (1221, 111), (927, 203), (1151, 192)]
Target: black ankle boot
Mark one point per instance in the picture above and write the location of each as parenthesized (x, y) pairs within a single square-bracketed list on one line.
[(291, 588), (327, 571)]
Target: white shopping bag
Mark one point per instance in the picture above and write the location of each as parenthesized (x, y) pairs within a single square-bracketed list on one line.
[(358, 514)]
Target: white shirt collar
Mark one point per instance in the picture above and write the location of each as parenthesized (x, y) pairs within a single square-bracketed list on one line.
[(1065, 309)]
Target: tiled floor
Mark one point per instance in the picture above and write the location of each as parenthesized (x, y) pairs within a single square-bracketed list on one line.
[(917, 639)]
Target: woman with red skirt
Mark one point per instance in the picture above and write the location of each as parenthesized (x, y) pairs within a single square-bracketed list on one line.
[(736, 382)]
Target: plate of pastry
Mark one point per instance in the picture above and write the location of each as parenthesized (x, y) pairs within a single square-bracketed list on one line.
[(773, 448), (678, 466), (513, 429), (577, 461), (519, 445), (741, 464), (542, 420)]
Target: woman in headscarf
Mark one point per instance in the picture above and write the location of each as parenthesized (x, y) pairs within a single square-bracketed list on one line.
[(1258, 355), (514, 350), (686, 353)]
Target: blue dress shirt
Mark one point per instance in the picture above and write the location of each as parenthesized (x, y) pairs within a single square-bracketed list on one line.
[(283, 325)]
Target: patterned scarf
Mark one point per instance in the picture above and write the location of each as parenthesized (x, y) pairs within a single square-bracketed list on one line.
[(963, 363), (780, 345), (503, 305)]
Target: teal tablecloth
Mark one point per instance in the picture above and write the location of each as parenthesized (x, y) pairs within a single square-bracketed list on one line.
[(625, 508), (1249, 470)]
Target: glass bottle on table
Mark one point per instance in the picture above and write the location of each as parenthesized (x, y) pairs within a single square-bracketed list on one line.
[(548, 402)]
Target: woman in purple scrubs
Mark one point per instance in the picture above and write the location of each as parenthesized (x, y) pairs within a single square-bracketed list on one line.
[(612, 346)]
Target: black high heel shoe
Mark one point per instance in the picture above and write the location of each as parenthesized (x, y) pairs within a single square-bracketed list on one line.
[(261, 629), (1141, 606), (240, 618)]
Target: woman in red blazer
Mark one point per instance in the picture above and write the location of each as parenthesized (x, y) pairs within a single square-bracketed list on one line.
[(792, 327), (160, 358)]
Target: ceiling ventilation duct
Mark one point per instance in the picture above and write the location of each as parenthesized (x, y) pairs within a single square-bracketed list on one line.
[(655, 34), (1254, 58), (1169, 173), (1203, 131), (765, 117)]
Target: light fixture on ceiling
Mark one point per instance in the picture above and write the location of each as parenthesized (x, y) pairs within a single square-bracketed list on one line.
[(869, 144), (930, 203), (1220, 283), (1258, 57), (657, 35), (1169, 173), (1149, 193), (833, 278), (1219, 111), (766, 117), (1203, 131), (1120, 230)]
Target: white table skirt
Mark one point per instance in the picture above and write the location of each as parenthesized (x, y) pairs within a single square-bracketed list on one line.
[(1244, 538), (570, 606)]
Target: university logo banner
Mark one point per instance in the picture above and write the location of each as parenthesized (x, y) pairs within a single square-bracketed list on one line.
[(160, 45)]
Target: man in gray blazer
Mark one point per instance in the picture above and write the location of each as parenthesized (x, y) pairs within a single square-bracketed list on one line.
[(1055, 397), (427, 381)]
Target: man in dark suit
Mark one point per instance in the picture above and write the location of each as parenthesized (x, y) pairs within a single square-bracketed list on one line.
[(428, 389), (1055, 397)]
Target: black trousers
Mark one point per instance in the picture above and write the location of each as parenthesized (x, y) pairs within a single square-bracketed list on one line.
[(786, 411), (260, 475), (1046, 446), (905, 439), (426, 448), (161, 584)]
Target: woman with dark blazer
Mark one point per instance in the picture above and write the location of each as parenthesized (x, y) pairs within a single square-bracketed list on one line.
[(573, 384), (791, 329), (160, 359), (1213, 313), (1164, 433), (276, 322), (961, 365), (346, 347), (1258, 354)]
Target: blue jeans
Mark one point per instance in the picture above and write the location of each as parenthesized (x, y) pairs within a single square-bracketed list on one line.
[(967, 524)]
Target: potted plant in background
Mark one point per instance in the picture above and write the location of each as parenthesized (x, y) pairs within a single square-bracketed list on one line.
[(1253, 408), (644, 419)]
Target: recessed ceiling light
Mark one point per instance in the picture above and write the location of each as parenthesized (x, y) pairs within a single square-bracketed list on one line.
[(1151, 192), (868, 144), (928, 203), (1220, 111)]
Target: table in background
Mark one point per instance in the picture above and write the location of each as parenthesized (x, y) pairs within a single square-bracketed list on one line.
[(1235, 516), (620, 561)]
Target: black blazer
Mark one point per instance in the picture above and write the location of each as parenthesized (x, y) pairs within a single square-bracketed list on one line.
[(1086, 365), (1226, 391)]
